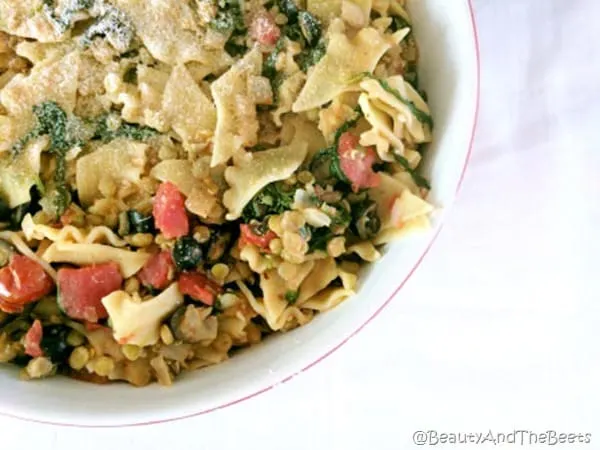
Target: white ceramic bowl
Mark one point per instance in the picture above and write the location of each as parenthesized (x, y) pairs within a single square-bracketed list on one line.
[(450, 73)]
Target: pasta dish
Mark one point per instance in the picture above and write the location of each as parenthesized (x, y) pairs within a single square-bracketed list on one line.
[(181, 179)]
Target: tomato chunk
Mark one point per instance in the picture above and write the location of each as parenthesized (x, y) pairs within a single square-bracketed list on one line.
[(33, 339), (169, 212), (357, 162), (249, 236), (264, 29), (199, 287), (23, 281), (158, 271), (81, 290)]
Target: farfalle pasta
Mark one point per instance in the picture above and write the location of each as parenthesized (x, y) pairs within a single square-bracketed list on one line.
[(179, 180)]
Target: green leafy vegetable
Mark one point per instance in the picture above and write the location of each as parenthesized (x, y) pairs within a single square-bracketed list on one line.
[(275, 198), (305, 28), (319, 238), (230, 21), (293, 31), (348, 125), (235, 49), (105, 132), (411, 76), (289, 8), (328, 160), (66, 133), (292, 296), (63, 22), (230, 17), (52, 121), (365, 220), (270, 69), (312, 55), (115, 27), (310, 26), (342, 218), (418, 179)]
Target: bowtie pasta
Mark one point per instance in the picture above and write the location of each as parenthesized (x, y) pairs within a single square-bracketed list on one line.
[(179, 180)]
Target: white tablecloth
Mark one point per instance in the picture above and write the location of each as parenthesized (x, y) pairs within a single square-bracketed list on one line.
[(499, 328)]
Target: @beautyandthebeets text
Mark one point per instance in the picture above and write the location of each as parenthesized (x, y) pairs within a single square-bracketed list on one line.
[(514, 437)]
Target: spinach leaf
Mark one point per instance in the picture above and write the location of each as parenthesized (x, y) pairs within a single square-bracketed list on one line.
[(230, 18), (235, 49), (275, 198), (310, 56), (418, 179), (348, 125), (327, 162), (319, 238), (52, 121), (293, 31), (292, 296), (289, 8), (411, 76), (115, 27), (135, 132), (365, 220), (310, 27), (230, 21), (270, 69), (63, 22)]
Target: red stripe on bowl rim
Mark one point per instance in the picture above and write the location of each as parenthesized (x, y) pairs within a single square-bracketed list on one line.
[(355, 332)]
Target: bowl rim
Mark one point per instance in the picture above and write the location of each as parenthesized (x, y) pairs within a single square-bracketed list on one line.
[(357, 330)]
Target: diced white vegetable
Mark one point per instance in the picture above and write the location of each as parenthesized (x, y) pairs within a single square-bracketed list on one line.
[(139, 323)]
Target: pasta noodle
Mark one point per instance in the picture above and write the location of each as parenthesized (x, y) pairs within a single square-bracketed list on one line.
[(69, 233), (86, 254), (179, 180)]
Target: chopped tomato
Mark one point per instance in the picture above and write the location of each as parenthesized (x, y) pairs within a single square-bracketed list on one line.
[(169, 212), (33, 338), (199, 287), (158, 271), (264, 29), (262, 241), (357, 162), (10, 308), (21, 282), (80, 291)]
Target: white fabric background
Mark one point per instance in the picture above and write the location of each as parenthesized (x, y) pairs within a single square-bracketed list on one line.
[(499, 327)]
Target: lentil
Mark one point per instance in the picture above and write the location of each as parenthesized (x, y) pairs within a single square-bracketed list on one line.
[(103, 366), (75, 339), (131, 352), (79, 357), (140, 239), (220, 271), (166, 335), (132, 285), (39, 368)]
